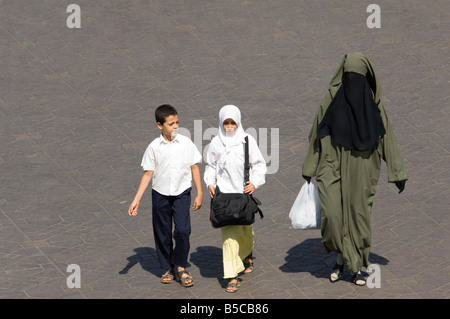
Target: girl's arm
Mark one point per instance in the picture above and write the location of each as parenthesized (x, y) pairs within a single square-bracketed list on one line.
[(209, 176), (258, 167)]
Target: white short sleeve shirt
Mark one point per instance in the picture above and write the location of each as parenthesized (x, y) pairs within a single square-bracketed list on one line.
[(171, 164)]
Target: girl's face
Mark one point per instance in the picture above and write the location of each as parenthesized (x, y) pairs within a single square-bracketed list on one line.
[(170, 127), (229, 126)]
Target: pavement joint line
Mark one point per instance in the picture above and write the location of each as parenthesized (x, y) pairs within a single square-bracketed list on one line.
[(36, 247), (237, 69), (153, 78), (267, 54), (72, 179), (71, 88)]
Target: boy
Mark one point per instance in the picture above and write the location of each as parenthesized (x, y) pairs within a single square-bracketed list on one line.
[(170, 160)]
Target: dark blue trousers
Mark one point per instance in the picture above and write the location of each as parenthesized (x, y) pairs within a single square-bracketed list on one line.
[(168, 211)]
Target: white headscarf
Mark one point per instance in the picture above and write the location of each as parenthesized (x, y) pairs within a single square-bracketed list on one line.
[(231, 112)]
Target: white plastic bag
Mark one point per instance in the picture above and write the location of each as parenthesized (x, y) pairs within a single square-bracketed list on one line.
[(306, 211)]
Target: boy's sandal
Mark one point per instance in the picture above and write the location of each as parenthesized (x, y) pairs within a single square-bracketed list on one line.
[(358, 279), (248, 266), (233, 287), (336, 272), (167, 277), (186, 281)]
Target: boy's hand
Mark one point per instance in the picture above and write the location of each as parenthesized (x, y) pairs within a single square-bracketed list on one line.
[(249, 188), (197, 202), (132, 210)]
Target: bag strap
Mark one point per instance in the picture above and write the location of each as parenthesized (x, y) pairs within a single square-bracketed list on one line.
[(246, 163), (247, 175)]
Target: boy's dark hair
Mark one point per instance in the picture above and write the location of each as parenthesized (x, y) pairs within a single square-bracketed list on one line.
[(164, 111)]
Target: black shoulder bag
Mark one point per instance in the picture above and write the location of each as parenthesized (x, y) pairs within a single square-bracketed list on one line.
[(235, 208)]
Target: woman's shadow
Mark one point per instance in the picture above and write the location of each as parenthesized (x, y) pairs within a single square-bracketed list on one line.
[(311, 256)]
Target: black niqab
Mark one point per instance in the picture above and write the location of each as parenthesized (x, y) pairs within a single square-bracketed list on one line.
[(353, 118)]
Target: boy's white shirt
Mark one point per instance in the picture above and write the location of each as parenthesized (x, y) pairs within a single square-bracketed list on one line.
[(225, 166), (171, 164)]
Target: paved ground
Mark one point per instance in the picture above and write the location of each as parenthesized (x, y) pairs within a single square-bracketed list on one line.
[(76, 114)]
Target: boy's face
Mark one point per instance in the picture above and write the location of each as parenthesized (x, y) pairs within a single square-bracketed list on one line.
[(170, 127)]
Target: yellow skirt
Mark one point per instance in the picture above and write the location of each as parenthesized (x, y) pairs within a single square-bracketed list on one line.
[(237, 243)]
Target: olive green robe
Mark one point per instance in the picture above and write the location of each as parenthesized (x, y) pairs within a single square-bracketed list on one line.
[(347, 179)]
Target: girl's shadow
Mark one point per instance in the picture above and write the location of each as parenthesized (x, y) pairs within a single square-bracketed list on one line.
[(208, 259)]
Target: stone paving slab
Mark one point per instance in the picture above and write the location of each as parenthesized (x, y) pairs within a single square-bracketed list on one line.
[(77, 112)]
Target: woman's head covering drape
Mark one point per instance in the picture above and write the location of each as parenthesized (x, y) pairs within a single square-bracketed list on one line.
[(353, 118)]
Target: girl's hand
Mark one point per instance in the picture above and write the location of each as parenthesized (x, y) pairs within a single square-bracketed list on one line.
[(249, 188), (212, 190)]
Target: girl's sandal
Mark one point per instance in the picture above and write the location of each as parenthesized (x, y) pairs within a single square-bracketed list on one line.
[(186, 281), (248, 266), (233, 287), (336, 272), (167, 277)]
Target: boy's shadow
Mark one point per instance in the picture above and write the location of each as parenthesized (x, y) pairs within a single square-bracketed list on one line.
[(311, 256), (146, 257)]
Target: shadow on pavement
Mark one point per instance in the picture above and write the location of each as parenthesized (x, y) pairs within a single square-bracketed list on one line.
[(310, 256), (146, 257), (208, 259)]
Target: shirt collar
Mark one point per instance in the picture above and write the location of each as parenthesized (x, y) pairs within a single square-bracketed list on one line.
[(164, 141)]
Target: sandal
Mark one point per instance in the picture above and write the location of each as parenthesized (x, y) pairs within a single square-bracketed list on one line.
[(185, 281), (233, 287), (336, 272), (358, 279), (167, 277), (248, 265)]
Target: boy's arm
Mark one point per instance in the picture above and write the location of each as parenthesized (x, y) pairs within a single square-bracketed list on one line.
[(198, 186), (145, 180)]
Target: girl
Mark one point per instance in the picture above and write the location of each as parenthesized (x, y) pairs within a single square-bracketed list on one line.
[(225, 168)]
